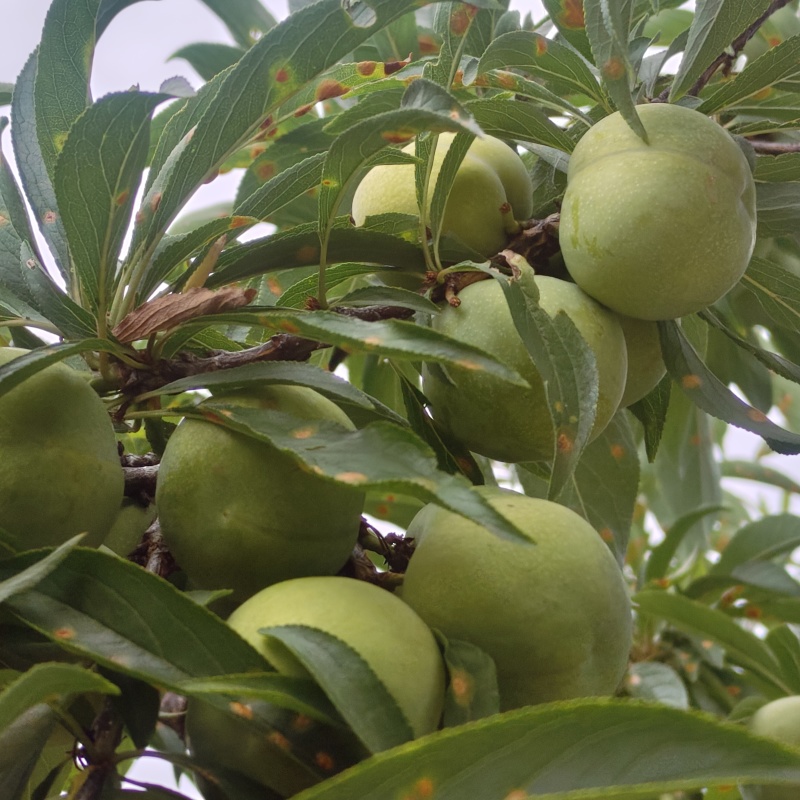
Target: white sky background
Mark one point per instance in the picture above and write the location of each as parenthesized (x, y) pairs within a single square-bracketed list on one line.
[(121, 61)]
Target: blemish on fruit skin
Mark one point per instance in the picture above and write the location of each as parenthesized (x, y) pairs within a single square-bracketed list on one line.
[(64, 633), (351, 477), (241, 710), (691, 382), (324, 761), (366, 68)]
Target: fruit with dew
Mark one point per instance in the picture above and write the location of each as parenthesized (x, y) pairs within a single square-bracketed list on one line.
[(659, 229), (238, 513), (779, 719), (491, 191), (645, 365), (394, 642), (60, 473), (504, 421), (553, 611)]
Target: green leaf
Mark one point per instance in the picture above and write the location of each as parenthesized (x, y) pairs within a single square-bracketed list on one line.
[(778, 169), (44, 683), (270, 372), (568, 16), (515, 119), (6, 92), (29, 577), (742, 646), (62, 75), (245, 19), (711, 395), (96, 178), (279, 65), (716, 24), (379, 456), (604, 486), (568, 370), (285, 691), (658, 563), (583, 750), (472, 691), (350, 683), (297, 294), (778, 207), (558, 65), (785, 645), (764, 539), (32, 170), (386, 296), (209, 58), (657, 682), (608, 24), (109, 610), (754, 471), (779, 63), (299, 246), (776, 290), (651, 411), (283, 188), (452, 23)]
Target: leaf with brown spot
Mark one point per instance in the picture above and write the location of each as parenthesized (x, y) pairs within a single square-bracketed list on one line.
[(167, 312)]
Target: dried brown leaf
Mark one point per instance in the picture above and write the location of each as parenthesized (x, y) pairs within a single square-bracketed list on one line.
[(166, 312)]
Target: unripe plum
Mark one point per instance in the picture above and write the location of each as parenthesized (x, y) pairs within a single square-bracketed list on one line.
[(779, 719), (60, 472), (553, 612), (240, 514), (491, 189), (661, 229), (506, 422)]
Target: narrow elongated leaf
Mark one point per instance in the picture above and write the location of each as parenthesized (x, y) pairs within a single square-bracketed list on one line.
[(380, 456), (608, 25), (652, 680), (779, 63), (283, 188), (300, 246), (46, 682), (112, 611), (558, 65), (452, 23), (583, 750), (32, 170), (62, 73), (776, 290), (754, 471), (761, 540), (266, 373), (285, 691), (568, 369), (209, 58), (347, 679), (662, 554), (245, 19), (569, 17), (742, 646), (386, 296), (514, 119), (785, 645), (29, 577), (710, 394), (297, 294), (21, 368), (778, 207), (778, 169), (281, 63), (716, 24), (6, 92), (96, 178)]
